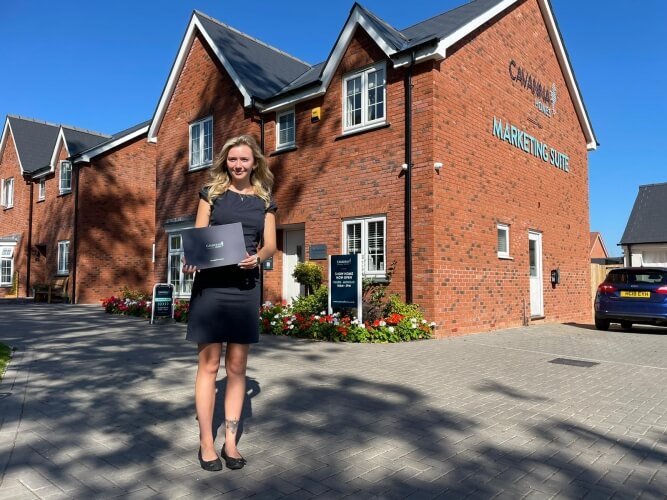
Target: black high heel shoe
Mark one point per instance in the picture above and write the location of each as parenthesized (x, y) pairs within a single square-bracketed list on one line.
[(210, 465), (232, 463)]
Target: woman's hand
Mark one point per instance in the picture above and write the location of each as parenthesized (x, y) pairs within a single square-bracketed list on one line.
[(250, 262), (188, 269)]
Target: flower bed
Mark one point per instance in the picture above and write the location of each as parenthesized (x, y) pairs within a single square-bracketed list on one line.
[(281, 320), (132, 303)]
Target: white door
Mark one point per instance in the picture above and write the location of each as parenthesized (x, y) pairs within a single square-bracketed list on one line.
[(535, 263), (293, 253)]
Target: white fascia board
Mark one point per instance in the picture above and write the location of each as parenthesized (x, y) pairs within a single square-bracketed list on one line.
[(570, 81), (421, 55), (465, 30), (356, 18), (54, 156), (3, 142), (103, 148), (172, 81)]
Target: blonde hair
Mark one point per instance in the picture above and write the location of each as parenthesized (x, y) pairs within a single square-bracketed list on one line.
[(261, 177)]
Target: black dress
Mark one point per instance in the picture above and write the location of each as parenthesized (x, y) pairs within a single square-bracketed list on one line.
[(224, 305)]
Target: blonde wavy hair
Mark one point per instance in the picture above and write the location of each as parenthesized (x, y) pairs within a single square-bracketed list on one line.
[(261, 177)]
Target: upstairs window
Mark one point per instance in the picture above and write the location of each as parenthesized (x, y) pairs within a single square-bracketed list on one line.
[(42, 189), (65, 177), (201, 143), (367, 236), (503, 241), (7, 192), (63, 257), (364, 98), (285, 130)]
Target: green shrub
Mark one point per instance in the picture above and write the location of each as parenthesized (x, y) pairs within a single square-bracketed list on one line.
[(309, 275), (312, 304)]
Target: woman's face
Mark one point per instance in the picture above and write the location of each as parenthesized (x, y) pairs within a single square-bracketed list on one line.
[(240, 162)]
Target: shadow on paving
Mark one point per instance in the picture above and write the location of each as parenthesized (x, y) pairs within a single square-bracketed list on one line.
[(99, 403)]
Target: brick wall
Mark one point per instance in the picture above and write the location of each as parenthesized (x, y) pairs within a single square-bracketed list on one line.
[(14, 221), (486, 181), (116, 222)]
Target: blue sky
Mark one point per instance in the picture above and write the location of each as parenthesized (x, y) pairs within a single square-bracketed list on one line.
[(102, 66)]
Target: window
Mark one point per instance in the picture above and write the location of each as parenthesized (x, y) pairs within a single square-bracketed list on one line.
[(65, 177), (6, 265), (201, 143), (503, 241), (364, 98), (182, 282), (8, 192), (42, 189), (367, 237), (63, 257), (285, 130)]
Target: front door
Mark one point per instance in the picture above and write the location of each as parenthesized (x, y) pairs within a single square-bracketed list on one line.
[(293, 253), (535, 272)]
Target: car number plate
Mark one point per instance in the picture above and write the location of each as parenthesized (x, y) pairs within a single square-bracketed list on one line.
[(641, 295)]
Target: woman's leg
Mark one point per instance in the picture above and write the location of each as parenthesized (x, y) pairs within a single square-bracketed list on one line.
[(207, 372), (236, 360)]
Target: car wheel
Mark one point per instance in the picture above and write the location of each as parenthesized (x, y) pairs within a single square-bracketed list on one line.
[(626, 325), (602, 324)]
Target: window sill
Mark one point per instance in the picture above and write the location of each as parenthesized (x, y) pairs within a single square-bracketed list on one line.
[(8, 208), (64, 193), (60, 273), (505, 257), (359, 131), (285, 149), (376, 280), (200, 167)]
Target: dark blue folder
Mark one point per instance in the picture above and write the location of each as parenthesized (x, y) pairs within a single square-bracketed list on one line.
[(214, 246)]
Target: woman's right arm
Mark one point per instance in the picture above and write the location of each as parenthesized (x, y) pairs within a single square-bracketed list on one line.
[(202, 220)]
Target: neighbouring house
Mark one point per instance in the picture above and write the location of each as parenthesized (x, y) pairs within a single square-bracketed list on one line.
[(453, 152), (644, 241), (597, 246), (75, 203)]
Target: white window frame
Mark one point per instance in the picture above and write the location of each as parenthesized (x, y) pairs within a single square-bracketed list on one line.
[(63, 257), (7, 198), (279, 130), (503, 254), (65, 182), (365, 255), (364, 76), (183, 282), (198, 145), (7, 255), (42, 190)]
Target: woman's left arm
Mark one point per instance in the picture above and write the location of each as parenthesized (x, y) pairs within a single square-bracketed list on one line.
[(269, 237)]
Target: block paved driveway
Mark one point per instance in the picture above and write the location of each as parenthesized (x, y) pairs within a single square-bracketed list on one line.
[(101, 406)]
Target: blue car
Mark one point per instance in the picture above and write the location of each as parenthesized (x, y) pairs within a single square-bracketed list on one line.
[(632, 295)]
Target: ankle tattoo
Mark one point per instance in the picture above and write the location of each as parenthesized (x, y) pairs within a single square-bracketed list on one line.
[(232, 425)]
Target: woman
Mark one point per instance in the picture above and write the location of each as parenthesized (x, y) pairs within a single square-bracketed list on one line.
[(225, 301)]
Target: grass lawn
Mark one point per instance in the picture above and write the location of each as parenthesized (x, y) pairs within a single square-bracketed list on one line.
[(5, 356)]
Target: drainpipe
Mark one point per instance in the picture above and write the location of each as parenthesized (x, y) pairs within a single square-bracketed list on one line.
[(261, 147), (29, 256), (408, 180), (75, 232)]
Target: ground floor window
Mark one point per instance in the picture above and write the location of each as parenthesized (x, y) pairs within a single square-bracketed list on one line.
[(182, 282), (6, 265), (367, 236), (63, 257)]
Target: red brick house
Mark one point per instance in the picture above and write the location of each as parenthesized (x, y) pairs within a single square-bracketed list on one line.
[(455, 148), (61, 214)]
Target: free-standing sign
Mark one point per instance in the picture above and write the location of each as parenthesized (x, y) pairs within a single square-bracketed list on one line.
[(163, 301), (345, 282)]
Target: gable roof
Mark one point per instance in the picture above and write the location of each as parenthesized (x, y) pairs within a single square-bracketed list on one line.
[(595, 236), (279, 80), (647, 222), (38, 142), (34, 141), (114, 141)]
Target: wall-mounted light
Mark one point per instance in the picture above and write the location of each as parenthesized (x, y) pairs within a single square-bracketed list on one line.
[(404, 166), (437, 166)]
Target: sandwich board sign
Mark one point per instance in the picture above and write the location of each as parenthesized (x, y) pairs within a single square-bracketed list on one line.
[(163, 301)]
